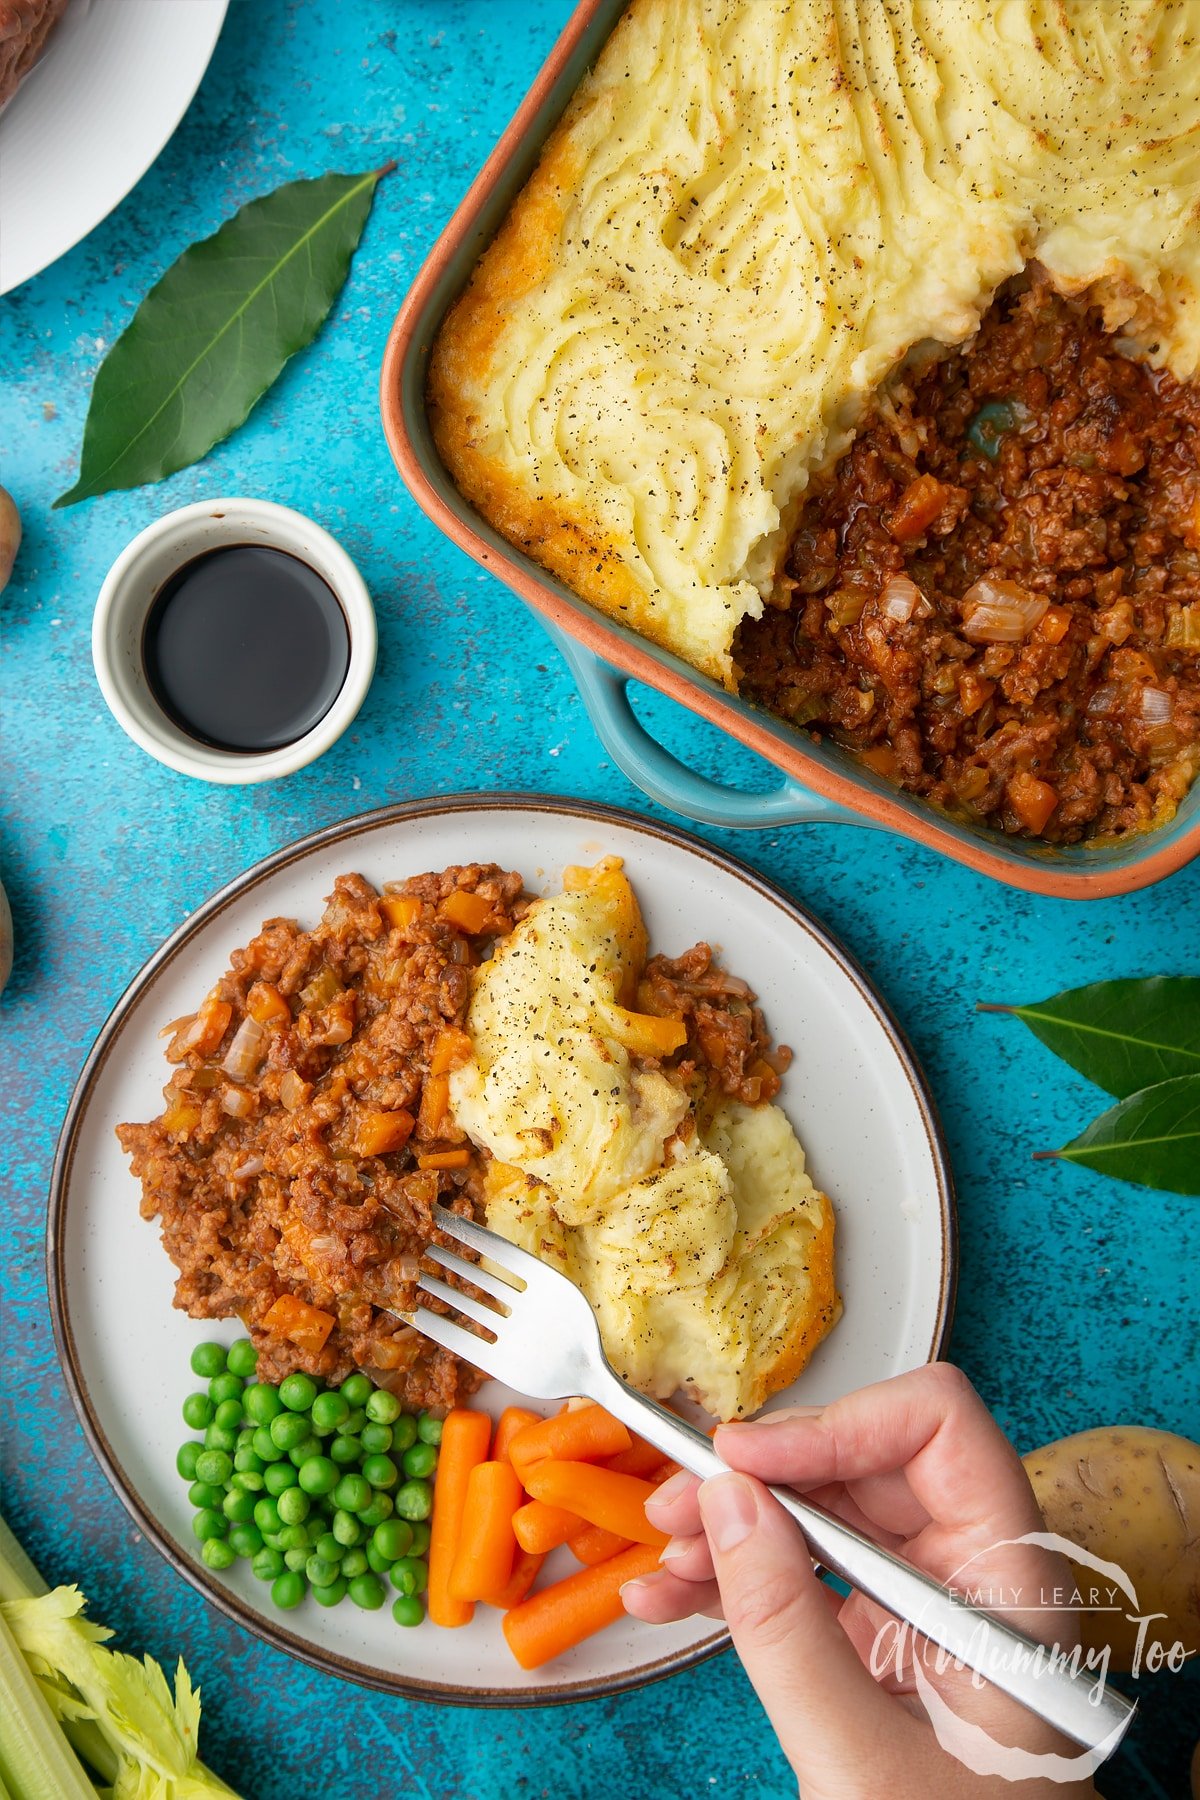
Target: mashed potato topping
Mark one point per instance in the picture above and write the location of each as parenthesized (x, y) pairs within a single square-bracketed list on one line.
[(688, 1218), (752, 211)]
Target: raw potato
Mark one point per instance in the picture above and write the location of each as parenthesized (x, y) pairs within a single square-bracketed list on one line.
[(10, 536), (1132, 1496)]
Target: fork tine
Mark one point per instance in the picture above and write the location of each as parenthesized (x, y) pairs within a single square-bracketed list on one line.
[(520, 1263), (480, 1278), (463, 1303), (459, 1342)]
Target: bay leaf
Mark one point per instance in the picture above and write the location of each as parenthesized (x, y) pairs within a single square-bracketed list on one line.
[(1123, 1035), (213, 334), (1152, 1137)]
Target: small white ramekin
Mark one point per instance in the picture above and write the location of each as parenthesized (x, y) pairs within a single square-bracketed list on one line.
[(139, 574)]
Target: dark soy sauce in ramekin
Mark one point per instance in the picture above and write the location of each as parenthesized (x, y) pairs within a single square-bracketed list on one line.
[(246, 648)]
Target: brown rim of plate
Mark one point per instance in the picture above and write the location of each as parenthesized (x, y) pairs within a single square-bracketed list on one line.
[(194, 1572), (1041, 873)]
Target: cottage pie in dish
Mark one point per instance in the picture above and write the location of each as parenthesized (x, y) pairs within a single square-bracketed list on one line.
[(524, 1061), (848, 349)]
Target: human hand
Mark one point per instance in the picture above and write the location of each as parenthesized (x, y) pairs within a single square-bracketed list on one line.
[(918, 1464)]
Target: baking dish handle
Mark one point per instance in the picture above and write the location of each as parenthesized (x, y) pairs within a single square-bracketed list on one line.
[(605, 693)]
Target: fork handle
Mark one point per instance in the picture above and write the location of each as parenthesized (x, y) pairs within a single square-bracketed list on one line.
[(1077, 1705)]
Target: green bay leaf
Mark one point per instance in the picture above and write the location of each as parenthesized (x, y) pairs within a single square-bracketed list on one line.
[(210, 338), (1153, 1138), (1123, 1035)]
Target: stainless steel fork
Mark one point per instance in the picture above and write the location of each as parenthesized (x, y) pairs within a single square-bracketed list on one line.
[(546, 1343)]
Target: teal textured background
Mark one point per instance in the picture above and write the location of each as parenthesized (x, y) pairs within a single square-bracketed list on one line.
[(1077, 1301)]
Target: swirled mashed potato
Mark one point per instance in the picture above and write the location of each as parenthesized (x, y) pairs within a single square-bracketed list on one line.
[(751, 212), (695, 1231)]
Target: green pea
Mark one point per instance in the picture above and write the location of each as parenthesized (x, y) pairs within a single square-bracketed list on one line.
[(410, 1575), (238, 1506), (248, 1480), (375, 1439), (328, 1412), (989, 425), (407, 1610), (242, 1358), (383, 1408), (205, 1493), (415, 1500), (352, 1493), (296, 1560), (266, 1447), (421, 1536), (375, 1561), (318, 1475), (217, 1554), (420, 1461), (380, 1471), (333, 1592), (197, 1411), (208, 1360), (226, 1387), (404, 1434), (261, 1403), (245, 1438), (288, 1430), (245, 1539), (357, 1389), (320, 1573), (328, 1548), (266, 1515), (367, 1591), (353, 1423), (185, 1459), (354, 1563), (346, 1528), (380, 1508), (298, 1392), (215, 1466), (429, 1430), (229, 1417), (309, 1446), (293, 1537), (345, 1450), (267, 1564), (209, 1523), (287, 1590), (393, 1539), (293, 1505), (247, 1460), (279, 1476), (271, 1540), (217, 1437)]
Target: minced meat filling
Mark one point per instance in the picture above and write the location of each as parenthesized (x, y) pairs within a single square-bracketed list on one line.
[(306, 1132), (994, 596)]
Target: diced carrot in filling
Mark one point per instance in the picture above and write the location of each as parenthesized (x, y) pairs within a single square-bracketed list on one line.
[(1032, 800), (301, 1324), (469, 912), (378, 1132), (400, 910)]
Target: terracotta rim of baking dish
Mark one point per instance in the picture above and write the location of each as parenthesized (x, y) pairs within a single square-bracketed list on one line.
[(206, 1584), (595, 634)]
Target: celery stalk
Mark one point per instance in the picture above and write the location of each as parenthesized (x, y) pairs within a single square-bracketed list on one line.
[(36, 1762), (19, 1577)]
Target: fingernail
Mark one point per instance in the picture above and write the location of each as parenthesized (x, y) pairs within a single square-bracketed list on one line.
[(670, 1490), (641, 1582), (729, 1508), (783, 1416), (678, 1546)]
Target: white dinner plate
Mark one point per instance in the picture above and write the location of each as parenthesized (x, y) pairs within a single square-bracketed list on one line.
[(853, 1092), (85, 125)]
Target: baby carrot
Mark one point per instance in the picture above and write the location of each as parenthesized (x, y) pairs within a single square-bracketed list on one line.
[(601, 1496), (486, 1545), (595, 1545), (524, 1574), (541, 1528), (562, 1615), (582, 1435), (465, 1438), (512, 1420), (641, 1459)]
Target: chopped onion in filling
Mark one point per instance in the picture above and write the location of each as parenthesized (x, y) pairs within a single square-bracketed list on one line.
[(999, 612)]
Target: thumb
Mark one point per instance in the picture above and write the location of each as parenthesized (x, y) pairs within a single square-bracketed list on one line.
[(802, 1666)]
